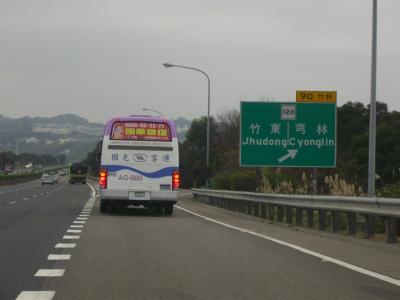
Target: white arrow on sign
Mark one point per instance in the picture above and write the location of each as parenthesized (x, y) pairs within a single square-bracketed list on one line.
[(291, 154)]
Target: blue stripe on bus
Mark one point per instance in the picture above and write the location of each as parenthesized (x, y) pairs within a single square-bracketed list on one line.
[(157, 174)]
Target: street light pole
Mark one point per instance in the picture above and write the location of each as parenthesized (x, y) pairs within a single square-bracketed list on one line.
[(153, 110), (168, 65), (372, 107)]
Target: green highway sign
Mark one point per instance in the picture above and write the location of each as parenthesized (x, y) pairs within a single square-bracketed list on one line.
[(288, 134)]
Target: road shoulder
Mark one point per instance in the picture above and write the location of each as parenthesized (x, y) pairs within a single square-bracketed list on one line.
[(372, 255)]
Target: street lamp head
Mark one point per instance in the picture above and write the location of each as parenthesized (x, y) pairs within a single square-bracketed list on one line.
[(153, 110), (168, 65)]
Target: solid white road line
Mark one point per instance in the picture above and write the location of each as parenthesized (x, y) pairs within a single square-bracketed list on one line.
[(50, 273), (76, 226), (71, 237), (36, 295), (65, 245), (301, 249), (93, 190), (74, 231), (59, 257)]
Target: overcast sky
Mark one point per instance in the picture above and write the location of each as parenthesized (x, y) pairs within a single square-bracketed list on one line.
[(101, 58)]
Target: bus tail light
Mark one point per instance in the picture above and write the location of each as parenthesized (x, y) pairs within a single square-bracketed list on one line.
[(175, 180), (103, 179)]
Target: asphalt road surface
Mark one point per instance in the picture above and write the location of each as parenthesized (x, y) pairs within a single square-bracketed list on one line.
[(33, 219), (134, 254)]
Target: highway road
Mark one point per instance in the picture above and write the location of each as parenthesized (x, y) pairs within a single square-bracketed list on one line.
[(58, 246)]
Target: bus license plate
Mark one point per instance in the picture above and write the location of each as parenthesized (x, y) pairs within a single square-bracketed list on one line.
[(139, 195)]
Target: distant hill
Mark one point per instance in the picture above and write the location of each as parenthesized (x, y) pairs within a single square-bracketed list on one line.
[(67, 134)]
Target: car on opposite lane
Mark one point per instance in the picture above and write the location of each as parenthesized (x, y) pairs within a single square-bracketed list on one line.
[(47, 179)]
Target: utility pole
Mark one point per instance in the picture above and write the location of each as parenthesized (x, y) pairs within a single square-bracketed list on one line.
[(372, 106)]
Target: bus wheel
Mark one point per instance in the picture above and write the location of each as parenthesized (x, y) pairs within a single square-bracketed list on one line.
[(103, 206), (169, 209)]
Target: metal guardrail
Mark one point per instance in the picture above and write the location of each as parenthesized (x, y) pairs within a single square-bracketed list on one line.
[(279, 207)]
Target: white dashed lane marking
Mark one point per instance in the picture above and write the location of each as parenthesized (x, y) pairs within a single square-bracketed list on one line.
[(65, 245), (79, 222), (12, 202), (36, 295), (59, 257), (76, 226), (71, 237), (50, 273), (81, 219)]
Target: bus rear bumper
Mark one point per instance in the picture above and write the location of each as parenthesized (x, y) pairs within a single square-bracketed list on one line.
[(155, 196)]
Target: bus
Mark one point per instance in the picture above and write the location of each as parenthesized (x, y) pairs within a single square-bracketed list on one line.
[(139, 164), (77, 173)]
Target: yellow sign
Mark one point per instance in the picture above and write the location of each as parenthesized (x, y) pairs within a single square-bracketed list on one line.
[(316, 96)]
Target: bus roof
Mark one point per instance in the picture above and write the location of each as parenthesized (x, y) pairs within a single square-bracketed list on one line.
[(110, 123)]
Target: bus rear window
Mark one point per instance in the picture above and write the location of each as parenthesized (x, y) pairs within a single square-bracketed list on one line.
[(141, 131)]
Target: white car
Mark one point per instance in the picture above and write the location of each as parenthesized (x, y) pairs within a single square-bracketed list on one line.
[(47, 179)]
